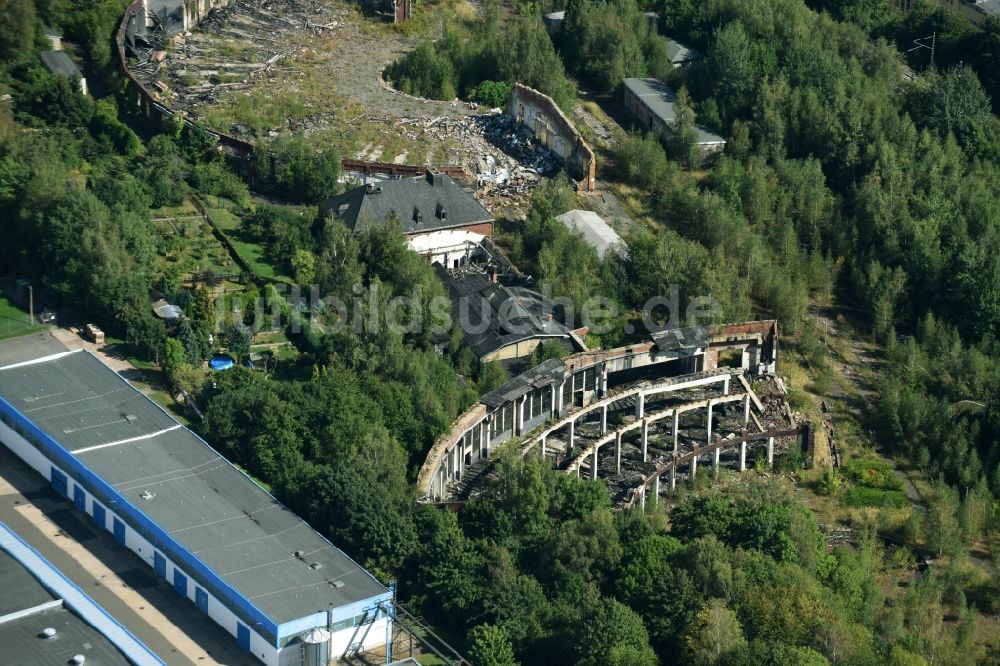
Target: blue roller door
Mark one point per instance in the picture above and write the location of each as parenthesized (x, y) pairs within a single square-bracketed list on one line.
[(160, 565), (243, 636), (79, 498), (99, 516), (59, 482), (180, 583), (201, 599), (119, 531)]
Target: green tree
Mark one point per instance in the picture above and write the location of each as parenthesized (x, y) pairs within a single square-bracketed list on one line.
[(714, 634), (304, 265), (613, 634), (682, 140), (489, 646), (17, 18), (174, 358), (238, 341)]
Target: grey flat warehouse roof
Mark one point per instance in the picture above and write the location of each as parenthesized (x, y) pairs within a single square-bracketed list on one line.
[(659, 99), (176, 480), (19, 638)]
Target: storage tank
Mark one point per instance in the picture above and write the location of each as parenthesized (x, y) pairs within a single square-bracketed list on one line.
[(317, 647)]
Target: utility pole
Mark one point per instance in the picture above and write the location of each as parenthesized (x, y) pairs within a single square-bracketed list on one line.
[(921, 43), (31, 305)]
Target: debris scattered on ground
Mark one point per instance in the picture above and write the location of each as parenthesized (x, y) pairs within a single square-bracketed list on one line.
[(263, 67)]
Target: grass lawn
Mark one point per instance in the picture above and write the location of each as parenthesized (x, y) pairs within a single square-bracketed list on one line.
[(251, 251), (14, 321)]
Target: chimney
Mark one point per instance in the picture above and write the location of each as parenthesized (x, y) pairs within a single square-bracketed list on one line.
[(493, 274), (435, 178), (549, 316), (370, 188)]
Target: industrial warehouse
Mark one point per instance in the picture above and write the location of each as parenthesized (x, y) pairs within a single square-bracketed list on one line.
[(286, 594)]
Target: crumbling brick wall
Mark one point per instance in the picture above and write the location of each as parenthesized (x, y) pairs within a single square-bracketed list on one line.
[(550, 125)]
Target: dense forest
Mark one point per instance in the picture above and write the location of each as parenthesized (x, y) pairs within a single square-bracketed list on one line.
[(845, 181)]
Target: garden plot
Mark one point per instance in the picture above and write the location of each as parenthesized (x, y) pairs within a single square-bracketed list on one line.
[(186, 246)]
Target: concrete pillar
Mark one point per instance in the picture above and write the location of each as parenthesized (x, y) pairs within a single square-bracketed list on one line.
[(746, 409), (642, 497), (770, 452), (715, 461), (711, 404), (543, 446), (484, 439), (676, 430), (645, 439), (604, 419), (618, 453), (520, 414), (743, 455), (593, 465), (604, 380), (656, 489), (554, 408), (558, 405), (640, 406), (673, 478), (572, 426), (694, 467), (725, 385)]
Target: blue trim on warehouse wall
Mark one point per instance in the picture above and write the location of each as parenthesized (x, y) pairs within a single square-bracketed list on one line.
[(59, 481), (175, 551), (143, 525), (99, 516), (243, 636)]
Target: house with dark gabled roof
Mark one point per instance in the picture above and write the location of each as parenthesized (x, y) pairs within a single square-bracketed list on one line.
[(423, 204)]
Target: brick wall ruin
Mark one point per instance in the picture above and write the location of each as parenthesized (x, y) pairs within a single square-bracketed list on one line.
[(551, 127)]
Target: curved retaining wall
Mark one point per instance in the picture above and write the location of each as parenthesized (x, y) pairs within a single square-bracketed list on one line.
[(550, 390)]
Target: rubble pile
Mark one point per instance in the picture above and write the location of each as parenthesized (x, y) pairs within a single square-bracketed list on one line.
[(503, 156), (231, 47), (321, 57)]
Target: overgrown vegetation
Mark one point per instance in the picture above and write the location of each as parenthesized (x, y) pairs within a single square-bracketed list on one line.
[(471, 54), (843, 182)]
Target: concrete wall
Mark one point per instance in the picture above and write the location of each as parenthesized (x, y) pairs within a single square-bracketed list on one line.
[(550, 126)]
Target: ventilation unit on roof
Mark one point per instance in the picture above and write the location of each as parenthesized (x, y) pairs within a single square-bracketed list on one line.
[(336, 583), (47, 633), (298, 554), (146, 495), (78, 660), (315, 565), (131, 417)]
